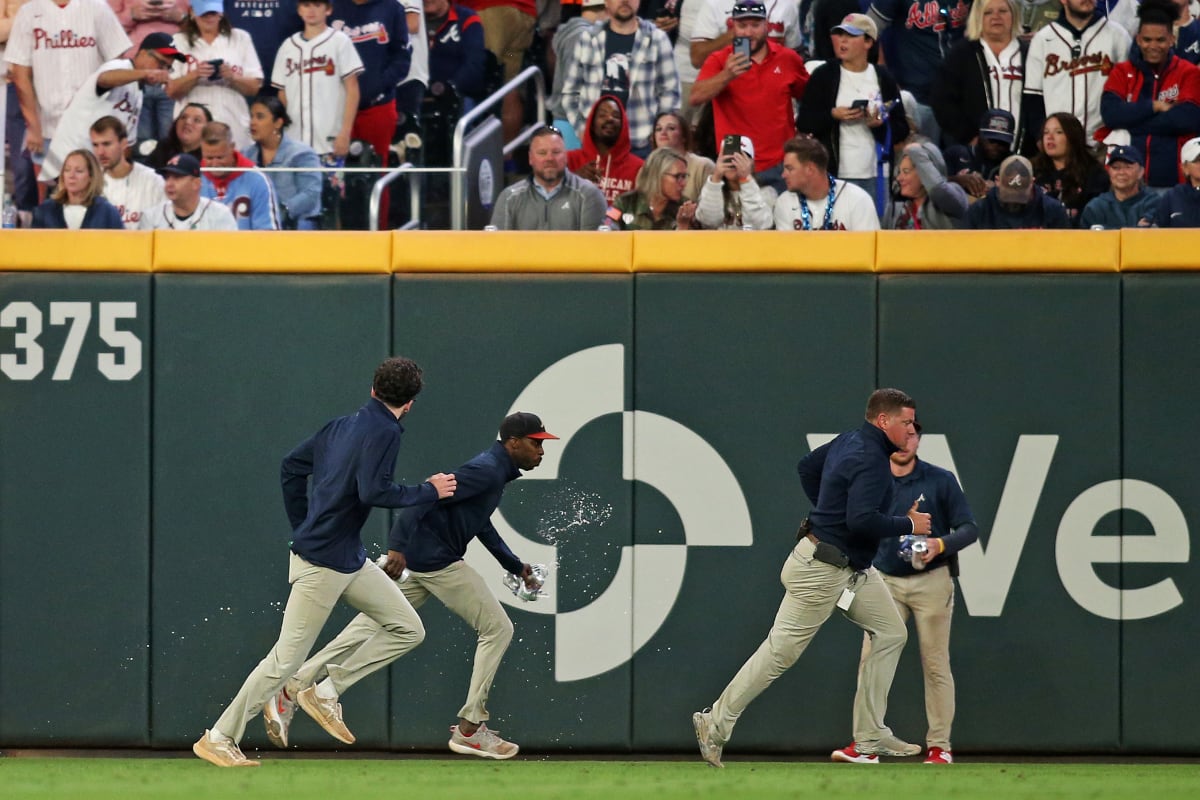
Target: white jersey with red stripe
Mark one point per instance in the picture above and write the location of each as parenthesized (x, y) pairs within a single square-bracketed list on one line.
[(1070, 73), (123, 102), (312, 73), (209, 215), (63, 45), (141, 189), (224, 102)]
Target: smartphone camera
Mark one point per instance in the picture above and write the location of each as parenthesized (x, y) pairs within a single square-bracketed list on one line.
[(731, 144), (741, 44)]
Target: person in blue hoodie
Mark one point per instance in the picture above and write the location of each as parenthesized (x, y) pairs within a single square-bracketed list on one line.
[(1016, 202), (1180, 206), (78, 201), (299, 193), (1127, 204), (248, 193), (425, 553)]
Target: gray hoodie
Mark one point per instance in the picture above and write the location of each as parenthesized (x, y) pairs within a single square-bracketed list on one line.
[(946, 204)]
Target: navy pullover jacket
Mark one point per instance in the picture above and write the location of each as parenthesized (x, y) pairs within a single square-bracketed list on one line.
[(850, 484), (351, 461), (1179, 207), (952, 520), (434, 535)]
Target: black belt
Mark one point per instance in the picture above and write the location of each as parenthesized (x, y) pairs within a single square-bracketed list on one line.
[(828, 553)]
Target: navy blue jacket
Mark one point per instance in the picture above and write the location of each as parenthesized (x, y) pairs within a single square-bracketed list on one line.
[(987, 214), (435, 535), (1180, 207), (351, 461), (101, 214), (952, 519), (379, 30), (456, 52), (1114, 214), (849, 482)]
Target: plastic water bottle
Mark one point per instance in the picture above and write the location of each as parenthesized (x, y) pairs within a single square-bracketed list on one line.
[(10, 213)]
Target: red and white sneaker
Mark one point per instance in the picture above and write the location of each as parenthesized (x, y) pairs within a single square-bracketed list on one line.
[(939, 756), (850, 755)]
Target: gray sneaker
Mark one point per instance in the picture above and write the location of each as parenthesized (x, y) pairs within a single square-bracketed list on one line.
[(327, 713), (889, 746), (483, 742), (710, 751), (277, 717), (224, 753)]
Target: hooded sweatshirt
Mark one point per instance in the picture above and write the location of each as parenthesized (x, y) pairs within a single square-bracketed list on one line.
[(246, 192), (619, 167)]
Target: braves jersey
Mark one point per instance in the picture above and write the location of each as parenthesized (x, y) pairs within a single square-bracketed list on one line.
[(208, 216), (89, 104), (312, 74), (1068, 68), (853, 210), (713, 19), (226, 103), (419, 44), (63, 46), (141, 189), (923, 31)]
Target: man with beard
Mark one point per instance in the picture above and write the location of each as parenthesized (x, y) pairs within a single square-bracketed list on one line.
[(551, 199), (1069, 60), (922, 584), (628, 58), (605, 158), (185, 209), (753, 96), (132, 188), (1127, 204), (1154, 97)]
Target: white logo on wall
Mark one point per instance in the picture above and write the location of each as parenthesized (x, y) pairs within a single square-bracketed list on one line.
[(670, 457), (487, 183)]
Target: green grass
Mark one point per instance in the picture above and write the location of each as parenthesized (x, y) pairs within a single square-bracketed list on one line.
[(538, 779)]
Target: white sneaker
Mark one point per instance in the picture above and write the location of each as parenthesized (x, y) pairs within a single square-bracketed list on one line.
[(710, 751), (224, 753), (889, 746), (277, 716), (327, 713), (484, 743)]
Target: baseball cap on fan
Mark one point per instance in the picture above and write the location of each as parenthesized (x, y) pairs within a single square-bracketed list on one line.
[(523, 425), (202, 7), (857, 25), (1124, 152), (998, 125), (163, 44), (182, 164), (1014, 181), (748, 9), (1190, 151)]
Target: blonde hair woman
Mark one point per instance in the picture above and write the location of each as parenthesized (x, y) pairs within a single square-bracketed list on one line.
[(78, 201), (656, 202)]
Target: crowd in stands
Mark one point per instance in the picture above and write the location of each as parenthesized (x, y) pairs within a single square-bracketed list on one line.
[(662, 114)]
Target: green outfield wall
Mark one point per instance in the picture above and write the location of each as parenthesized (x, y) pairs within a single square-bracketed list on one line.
[(150, 385)]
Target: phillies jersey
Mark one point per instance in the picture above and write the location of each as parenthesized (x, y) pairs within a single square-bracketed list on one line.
[(141, 189), (312, 73), (226, 103), (90, 104), (1068, 68), (63, 46)]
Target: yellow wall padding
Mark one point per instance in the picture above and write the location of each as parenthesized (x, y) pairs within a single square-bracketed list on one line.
[(1165, 249), (75, 251), (511, 251), (304, 252), (999, 251), (753, 251)]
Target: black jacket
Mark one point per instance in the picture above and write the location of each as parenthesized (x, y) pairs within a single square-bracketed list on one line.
[(820, 98)]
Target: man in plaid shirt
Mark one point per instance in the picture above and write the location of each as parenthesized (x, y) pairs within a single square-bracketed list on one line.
[(627, 57)]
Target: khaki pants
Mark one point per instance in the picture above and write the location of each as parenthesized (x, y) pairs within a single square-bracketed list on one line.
[(463, 591), (812, 591), (929, 598), (315, 591)]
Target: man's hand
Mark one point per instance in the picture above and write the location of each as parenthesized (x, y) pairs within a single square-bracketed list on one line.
[(341, 144), (685, 216), (156, 77), (848, 114), (589, 171), (1160, 106), (394, 565), (531, 583), (666, 24), (742, 165), (972, 182), (33, 140), (920, 520), (936, 548), (444, 483), (737, 64)]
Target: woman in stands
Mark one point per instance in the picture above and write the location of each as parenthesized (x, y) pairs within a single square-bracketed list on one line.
[(1065, 167), (184, 136), (78, 201), (670, 130), (656, 202), (222, 68), (985, 70), (299, 193), (925, 199)]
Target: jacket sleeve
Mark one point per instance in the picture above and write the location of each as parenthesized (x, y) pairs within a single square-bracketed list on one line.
[(810, 468), (594, 206), (756, 212), (306, 202), (710, 208), (575, 91), (293, 475), (266, 207), (468, 79), (489, 537), (949, 98), (815, 112), (1116, 111), (399, 57), (864, 492), (375, 487), (500, 211), (667, 74), (952, 505)]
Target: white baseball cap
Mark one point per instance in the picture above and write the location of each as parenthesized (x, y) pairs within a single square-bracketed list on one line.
[(1190, 151)]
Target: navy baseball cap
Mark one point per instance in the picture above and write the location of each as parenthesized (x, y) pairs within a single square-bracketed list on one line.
[(998, 125), (163, 44), (749, 9), (182, 164), (1126, 153), (523, 425)]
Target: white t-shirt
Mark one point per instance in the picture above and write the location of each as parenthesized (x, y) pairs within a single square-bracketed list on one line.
[(123, 102), (857, 156), (418, 43), (783, 19), (63, 46), (683, 40), (853, 210), (73, 215), (208, 216), (311, 74), (141, 189), (226, 104)]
